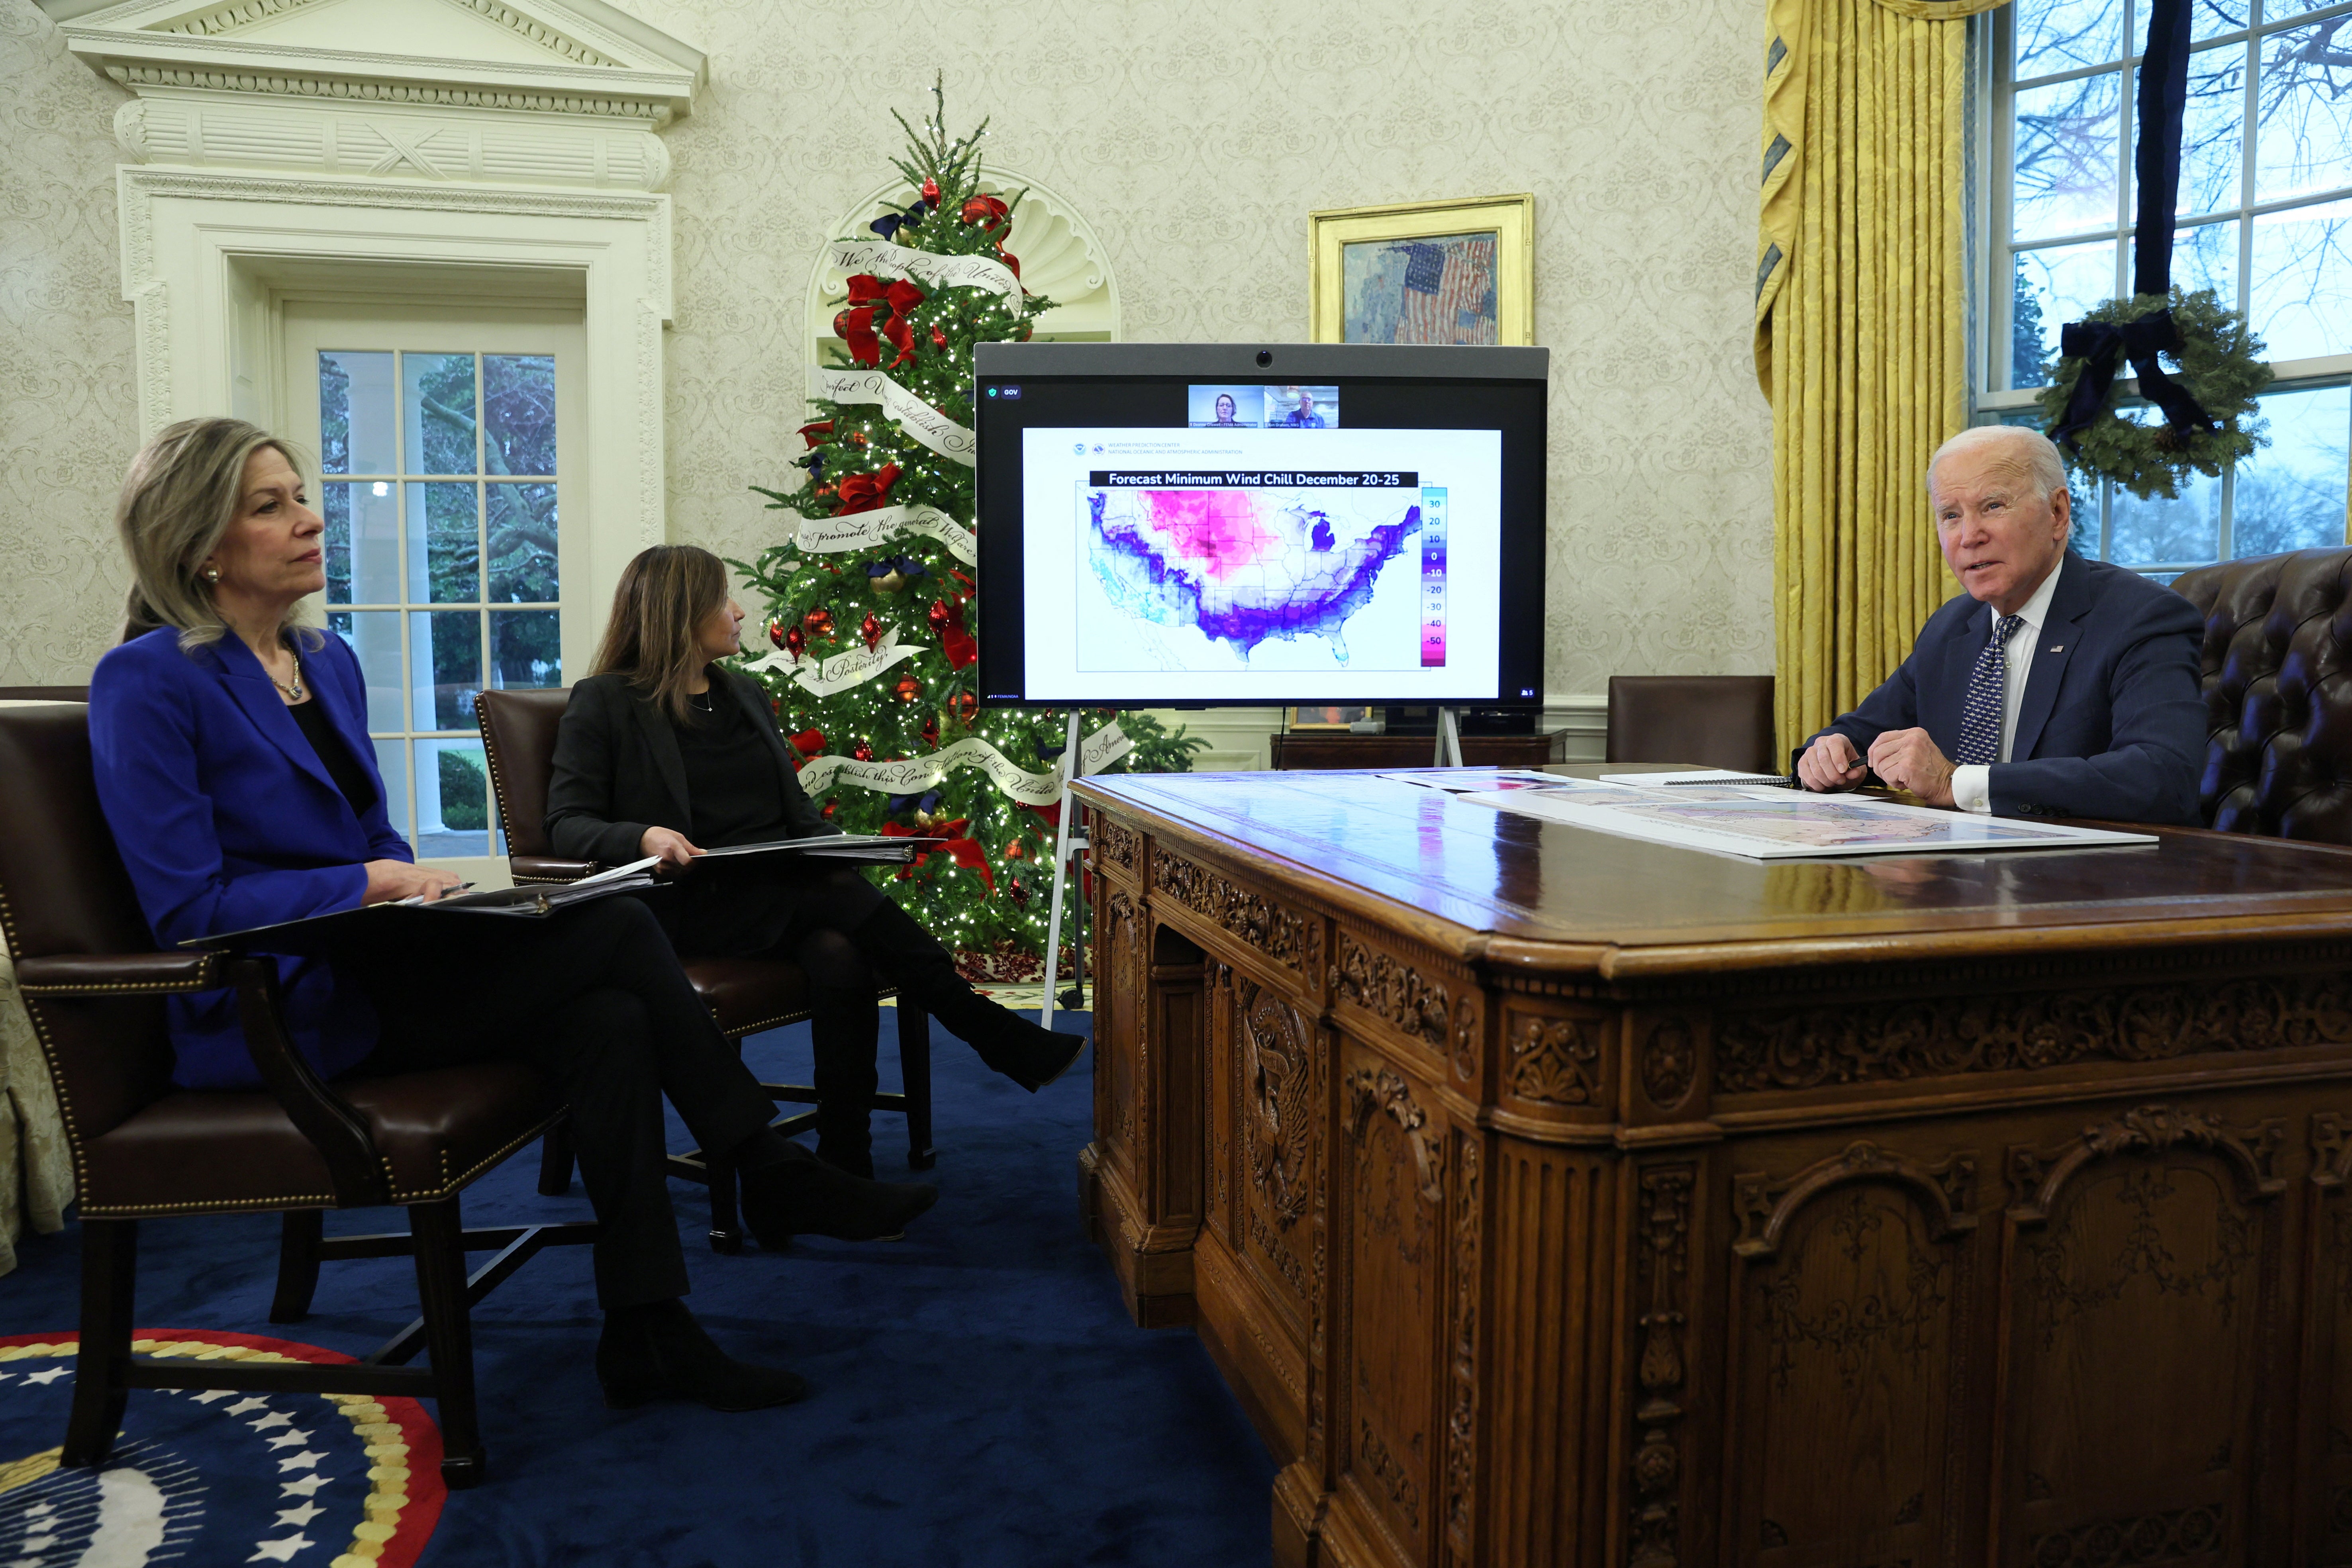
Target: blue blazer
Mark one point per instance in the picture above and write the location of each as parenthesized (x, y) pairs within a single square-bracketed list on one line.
[(226, 820), (2111, 724)]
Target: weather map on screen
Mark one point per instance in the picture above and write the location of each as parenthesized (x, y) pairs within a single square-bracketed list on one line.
[(1248, 559), (1239, 559)]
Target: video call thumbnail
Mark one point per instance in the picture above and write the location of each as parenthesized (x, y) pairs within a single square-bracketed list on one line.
[(1290, 408)]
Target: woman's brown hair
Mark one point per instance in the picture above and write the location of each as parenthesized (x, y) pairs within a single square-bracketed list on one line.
[(665, 593)]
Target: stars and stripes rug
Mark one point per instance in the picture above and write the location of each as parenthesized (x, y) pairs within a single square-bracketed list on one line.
[(205, 1476)]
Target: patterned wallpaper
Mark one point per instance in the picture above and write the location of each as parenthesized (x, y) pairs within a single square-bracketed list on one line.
[(69, 410), (1196, 138)]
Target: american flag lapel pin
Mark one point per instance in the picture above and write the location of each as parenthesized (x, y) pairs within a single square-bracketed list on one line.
[(2057, 648)]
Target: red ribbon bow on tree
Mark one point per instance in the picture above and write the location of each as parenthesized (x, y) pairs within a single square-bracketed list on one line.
[(816, 434), (965, 852), (947, 619), (864, 493)]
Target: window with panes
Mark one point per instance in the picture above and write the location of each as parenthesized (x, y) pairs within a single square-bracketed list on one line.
[(2265, 221), (438, 480)]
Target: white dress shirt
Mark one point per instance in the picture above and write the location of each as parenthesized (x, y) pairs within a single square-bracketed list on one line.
[(1972, 786)]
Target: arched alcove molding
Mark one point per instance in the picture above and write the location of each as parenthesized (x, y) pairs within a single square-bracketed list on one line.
[(1061, 258)]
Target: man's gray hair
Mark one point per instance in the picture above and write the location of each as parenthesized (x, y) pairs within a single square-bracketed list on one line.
[(2029, 450)]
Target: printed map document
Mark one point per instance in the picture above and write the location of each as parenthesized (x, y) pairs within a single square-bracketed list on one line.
[(1771, 823)]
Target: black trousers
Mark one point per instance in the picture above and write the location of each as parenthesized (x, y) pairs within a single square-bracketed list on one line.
[(593, 998)]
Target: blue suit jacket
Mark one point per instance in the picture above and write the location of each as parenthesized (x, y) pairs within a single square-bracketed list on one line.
[(226, 820), (2111, 724)]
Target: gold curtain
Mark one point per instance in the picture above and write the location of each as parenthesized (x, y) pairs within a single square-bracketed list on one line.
[(1861, 314)]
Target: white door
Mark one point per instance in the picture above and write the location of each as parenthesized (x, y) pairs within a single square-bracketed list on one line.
[(444, 438)]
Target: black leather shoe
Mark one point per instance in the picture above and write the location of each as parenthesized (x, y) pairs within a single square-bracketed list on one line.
[(803, 1195), (1031, 1056), (659, 1352)]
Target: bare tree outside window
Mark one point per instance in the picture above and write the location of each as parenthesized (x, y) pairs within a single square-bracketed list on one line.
[(2265, 221)]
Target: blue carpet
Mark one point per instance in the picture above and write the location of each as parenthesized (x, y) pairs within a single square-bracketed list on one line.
[(981, 1398)]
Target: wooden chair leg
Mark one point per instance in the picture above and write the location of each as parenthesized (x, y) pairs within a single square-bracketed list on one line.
[(298, 1265), (726, 1221), (555, 1161), (448, 1337), (915, 1070), (109, 1276)]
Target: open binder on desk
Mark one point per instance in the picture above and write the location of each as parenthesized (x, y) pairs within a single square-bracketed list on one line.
[(321, 934)]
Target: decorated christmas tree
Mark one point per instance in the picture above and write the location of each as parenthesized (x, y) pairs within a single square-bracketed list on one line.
[(868, 591)]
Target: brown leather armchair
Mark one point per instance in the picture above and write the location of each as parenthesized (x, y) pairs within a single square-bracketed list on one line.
[(144, 1148), (2276, 663), (1706, 720), (745, 995)]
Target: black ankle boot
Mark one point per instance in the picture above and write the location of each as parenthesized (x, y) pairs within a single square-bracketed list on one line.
[(801, 1195), (657, 1351), (1030, 1056)]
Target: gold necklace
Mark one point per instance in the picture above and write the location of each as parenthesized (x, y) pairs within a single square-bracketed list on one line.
[(293, 693)]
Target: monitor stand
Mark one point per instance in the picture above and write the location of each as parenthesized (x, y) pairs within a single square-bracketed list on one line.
[(1449, 740), (1068, 841)]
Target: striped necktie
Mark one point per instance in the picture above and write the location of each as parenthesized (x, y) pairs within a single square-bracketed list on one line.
[(1987, 690)]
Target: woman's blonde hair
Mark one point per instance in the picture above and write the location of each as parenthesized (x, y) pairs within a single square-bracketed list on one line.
[(665, 593), (177, 501)]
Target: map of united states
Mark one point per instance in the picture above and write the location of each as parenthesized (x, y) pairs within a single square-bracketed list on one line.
[(1243, 566)]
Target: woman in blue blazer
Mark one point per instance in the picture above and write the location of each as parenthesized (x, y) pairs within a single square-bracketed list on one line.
[(233, 767)]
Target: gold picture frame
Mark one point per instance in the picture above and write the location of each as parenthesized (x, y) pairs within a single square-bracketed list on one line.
[(1410, 284)]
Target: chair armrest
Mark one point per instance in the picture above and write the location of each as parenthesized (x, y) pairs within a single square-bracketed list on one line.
[(338, 1132), (548, 869), (117, 973)]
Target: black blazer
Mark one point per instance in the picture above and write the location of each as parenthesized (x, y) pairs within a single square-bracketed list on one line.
[(617, 770)]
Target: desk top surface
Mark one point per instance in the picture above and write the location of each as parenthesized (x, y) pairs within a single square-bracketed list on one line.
[(1450, 869)]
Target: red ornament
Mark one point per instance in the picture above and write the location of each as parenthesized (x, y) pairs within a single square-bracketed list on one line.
[(931, 731), (776, 633), (1013, 851), (857, 437), (819, 620), (870, 628), (1020, 894), (966, 707), (984, 209), (930, 190), (909, 688), (809, 743), (863, 751), (939, 615), (795, 639), (938, 340)]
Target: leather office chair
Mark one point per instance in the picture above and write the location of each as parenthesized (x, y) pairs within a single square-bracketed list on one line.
[(2276, 664), (144, 1148), (1707, 720), (745, 995)]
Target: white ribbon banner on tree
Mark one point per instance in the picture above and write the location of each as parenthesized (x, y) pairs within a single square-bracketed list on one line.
[(822, 678), (870, 529), (887, 260), (917, 417), (912, 775)]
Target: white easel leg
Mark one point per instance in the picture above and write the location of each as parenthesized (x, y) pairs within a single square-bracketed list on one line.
[(1061, 872)]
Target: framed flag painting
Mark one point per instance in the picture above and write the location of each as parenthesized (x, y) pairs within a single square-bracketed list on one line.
[(1425, 272)]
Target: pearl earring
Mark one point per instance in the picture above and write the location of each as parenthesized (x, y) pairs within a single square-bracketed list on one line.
[(211, 573)]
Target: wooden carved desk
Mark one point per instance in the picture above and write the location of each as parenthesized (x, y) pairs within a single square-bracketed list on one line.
[(1554, 1198)]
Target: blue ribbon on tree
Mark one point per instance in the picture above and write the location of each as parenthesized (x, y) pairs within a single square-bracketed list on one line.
[(2102, 346)]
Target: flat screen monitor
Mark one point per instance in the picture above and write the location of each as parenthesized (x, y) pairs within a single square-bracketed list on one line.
[(1181, 525)]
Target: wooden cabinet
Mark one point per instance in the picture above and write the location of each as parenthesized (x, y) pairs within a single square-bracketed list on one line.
[(1549, 1198), (1324, 749)]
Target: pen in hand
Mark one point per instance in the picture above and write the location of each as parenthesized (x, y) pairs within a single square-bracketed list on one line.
[(421, 898)]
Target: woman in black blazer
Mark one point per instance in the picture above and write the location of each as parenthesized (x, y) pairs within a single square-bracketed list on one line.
[(663, 753)]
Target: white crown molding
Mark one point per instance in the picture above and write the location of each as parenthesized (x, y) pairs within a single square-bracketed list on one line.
[(588, 69)]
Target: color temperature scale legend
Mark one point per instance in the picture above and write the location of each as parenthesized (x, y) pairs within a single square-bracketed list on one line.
[(1432, 578)]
